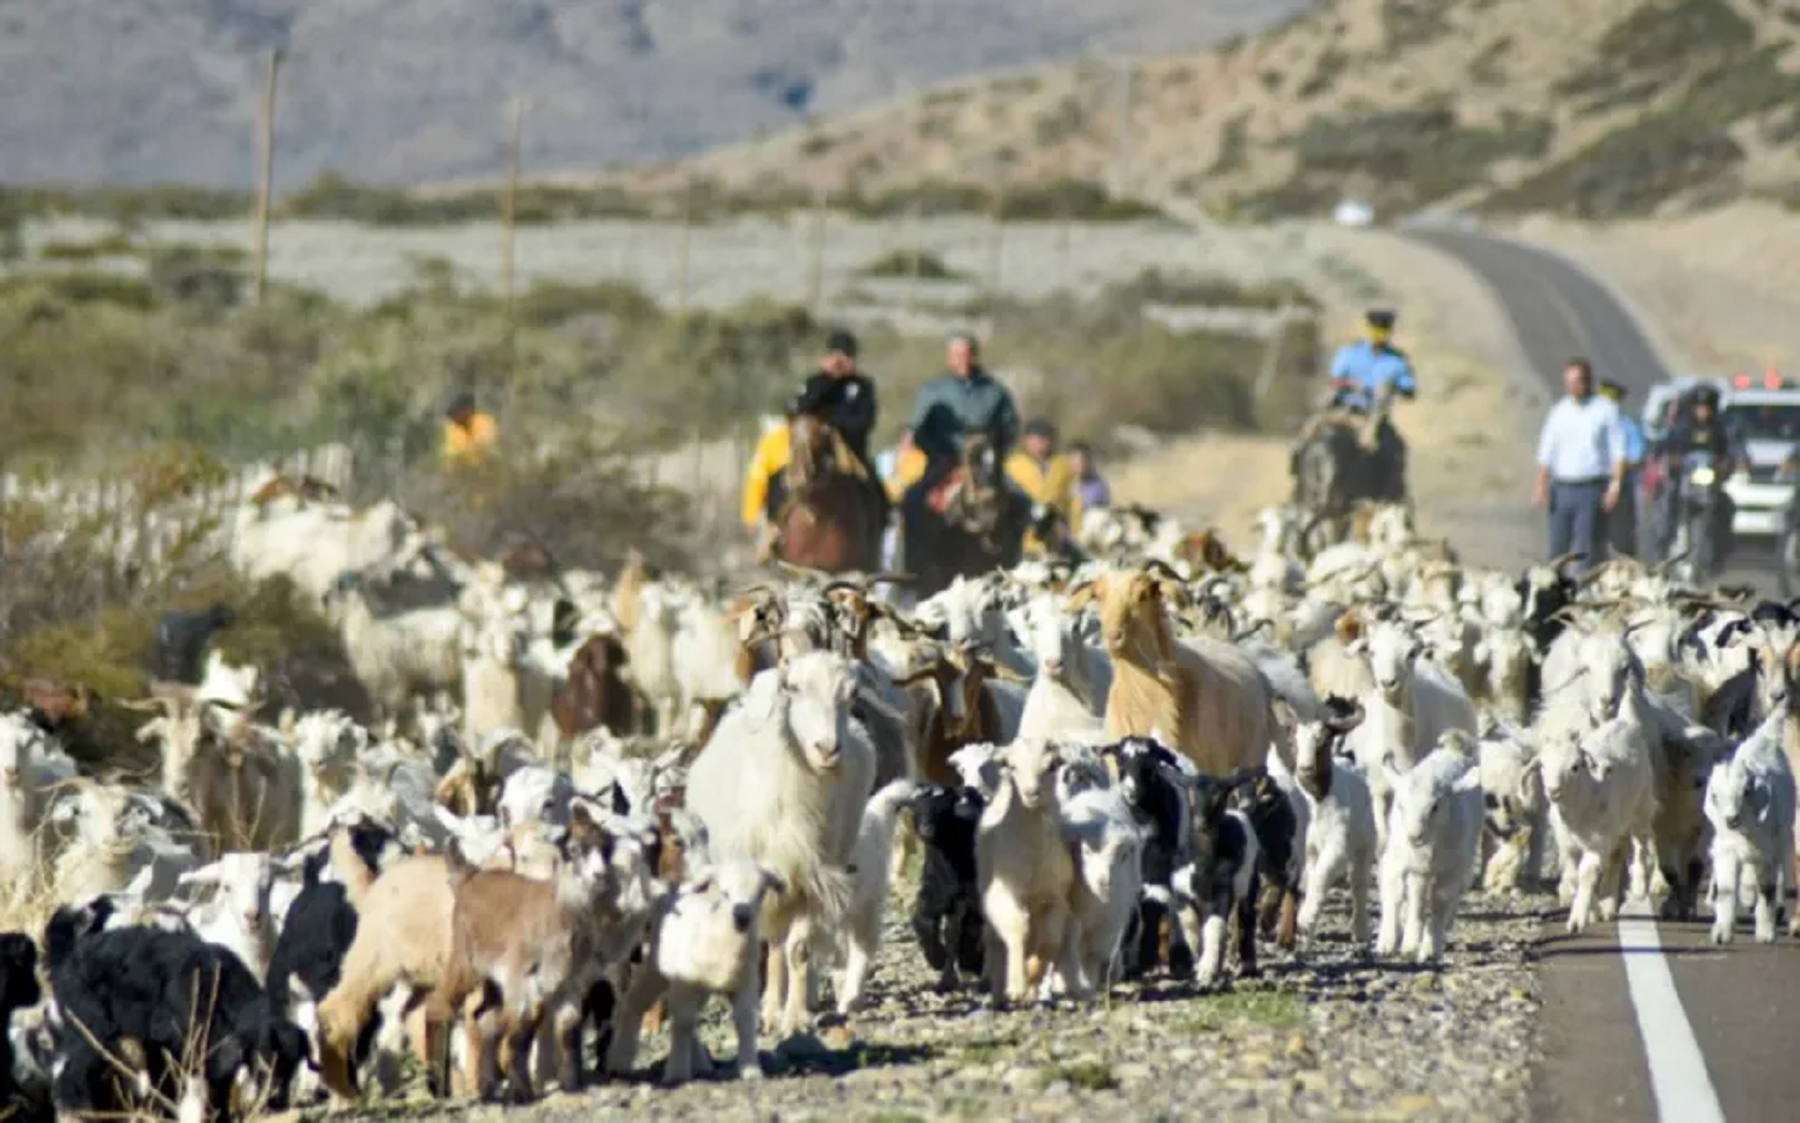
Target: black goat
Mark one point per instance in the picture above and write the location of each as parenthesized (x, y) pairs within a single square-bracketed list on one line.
[(946, 917), (1221, 881), (1279, 858), (18, 990), (1160, 806), (172, 993), (181, 639)]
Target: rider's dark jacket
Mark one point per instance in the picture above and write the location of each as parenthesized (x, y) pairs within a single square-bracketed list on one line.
[(1687, 435), (846, 404), (949, 406)]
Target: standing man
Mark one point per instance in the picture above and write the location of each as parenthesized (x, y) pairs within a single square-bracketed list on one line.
[(1622, 524), (964, 399), (1581, 466)]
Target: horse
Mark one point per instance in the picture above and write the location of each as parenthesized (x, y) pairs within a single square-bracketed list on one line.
[(1338, 467), (981, 526), (828, 518)]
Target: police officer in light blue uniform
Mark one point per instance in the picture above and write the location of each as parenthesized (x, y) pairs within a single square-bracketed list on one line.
[(1622, 522), (1359, 373)]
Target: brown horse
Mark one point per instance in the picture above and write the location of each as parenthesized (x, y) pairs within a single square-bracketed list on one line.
[(829, 519), (981, 527)]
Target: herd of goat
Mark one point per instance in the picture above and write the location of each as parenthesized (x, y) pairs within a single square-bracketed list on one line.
[(586, 805)]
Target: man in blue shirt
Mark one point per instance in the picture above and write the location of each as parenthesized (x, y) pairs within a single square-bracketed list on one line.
[(1622, 522), (1363, 375), (1581, 466)]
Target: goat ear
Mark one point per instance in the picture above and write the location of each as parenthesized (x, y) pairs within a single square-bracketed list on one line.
[(205, 875), (1081, 595)]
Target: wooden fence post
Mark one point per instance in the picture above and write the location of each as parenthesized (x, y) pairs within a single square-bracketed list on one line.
[(265, 184)]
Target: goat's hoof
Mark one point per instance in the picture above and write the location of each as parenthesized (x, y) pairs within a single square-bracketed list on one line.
[(750, 1072), (1720, 934)]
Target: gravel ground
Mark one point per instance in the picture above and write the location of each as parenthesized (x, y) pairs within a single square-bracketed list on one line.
[(1330, 1035)]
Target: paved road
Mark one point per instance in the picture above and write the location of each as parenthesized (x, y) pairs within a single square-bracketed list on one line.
[(1641, 1020), (1559, 311)]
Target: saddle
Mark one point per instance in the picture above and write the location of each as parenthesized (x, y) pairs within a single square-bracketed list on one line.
[(940, 497)]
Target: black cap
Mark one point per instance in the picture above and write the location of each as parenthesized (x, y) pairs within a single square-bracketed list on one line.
[(458, 404), (1040, 427), (841, 340), (1708, 393), (1382, 318)]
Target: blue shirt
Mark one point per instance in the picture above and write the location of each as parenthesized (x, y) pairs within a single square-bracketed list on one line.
[(1581, 440), (1371, 367), (1636, 447)]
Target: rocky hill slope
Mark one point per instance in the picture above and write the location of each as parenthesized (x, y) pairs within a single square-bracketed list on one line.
[(1599, 109), (132, 91)]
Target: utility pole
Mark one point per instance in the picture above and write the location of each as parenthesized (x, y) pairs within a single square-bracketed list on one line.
[(265, 184), (1122, 159), (509, 199)]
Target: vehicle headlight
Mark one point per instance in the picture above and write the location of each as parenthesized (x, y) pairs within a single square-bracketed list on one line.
[(1703, 477)]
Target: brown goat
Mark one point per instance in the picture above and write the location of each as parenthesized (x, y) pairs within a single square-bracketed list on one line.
[(402, 936), (522, 949), (594, 694), (961, 711), (1206, 699)]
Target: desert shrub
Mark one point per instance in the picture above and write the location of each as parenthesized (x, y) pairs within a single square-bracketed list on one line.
[(1413, 23), (116, 244), (209, 276), (1152, 286), (1068, 118), (1657, 44), (1234, 145), (1409, 156), (910, 263), (1485, 70), (1683, 146)]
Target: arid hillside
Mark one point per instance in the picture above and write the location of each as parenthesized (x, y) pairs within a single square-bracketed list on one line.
[(402, 91), (1606, 108)]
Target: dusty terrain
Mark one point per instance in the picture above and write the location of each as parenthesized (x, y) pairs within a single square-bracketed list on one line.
[(410, 90)]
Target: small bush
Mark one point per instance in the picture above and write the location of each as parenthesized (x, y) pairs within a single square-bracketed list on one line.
[(1234, 145), (112, 245), (911, 263), (1089, 1076), (1413, 23)]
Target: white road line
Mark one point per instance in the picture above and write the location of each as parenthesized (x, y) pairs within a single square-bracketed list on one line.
[(1684, 1091)]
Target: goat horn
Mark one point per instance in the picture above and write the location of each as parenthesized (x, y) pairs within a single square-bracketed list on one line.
[(1257, 625), (1556, 563), (1157, 565), (1662, 568), (802, 570)]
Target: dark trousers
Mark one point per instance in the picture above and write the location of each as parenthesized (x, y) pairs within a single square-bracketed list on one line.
[(1577, 522), (1622, 520)]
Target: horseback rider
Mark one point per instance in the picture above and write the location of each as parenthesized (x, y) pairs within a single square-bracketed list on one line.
[(844, 398), (965, 399), (1363, 374)]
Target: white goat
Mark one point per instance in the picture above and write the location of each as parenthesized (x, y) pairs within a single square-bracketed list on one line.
[(1750, 803), (1109, 846), (1026, 875), (705, 940), (398, 655), (783, 781), (1341, 836), (238, 916), (1433, 838), (871, 868), (1602, 791)]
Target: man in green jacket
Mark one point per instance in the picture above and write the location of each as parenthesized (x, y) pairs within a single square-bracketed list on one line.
[(964, 399)]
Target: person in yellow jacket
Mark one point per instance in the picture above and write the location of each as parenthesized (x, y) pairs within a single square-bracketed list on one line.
[(469, 434), (1045, 475)]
